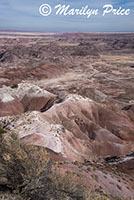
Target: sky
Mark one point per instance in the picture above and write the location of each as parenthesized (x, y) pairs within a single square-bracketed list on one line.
[(24, 15)]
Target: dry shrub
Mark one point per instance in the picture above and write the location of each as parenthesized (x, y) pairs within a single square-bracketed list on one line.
[(2, 131), (20, 162), (9, 196), (26, 170), (54, 186)]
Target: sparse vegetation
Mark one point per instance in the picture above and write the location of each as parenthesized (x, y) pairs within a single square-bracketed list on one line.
[(9, 196), (89, 78), (119, 187), (2, 131), (95, 177), (20, 162), (27, 171), (14, 86)]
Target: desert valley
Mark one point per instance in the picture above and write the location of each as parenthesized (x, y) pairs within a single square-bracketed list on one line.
[(72, 94)]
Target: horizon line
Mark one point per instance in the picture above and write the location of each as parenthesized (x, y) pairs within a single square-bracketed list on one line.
[(56, 32)]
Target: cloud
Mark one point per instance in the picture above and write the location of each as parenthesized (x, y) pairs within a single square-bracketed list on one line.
[(24, 15)]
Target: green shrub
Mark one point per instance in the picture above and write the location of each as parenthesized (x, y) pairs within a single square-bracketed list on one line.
[(14, 86), (2, 132)]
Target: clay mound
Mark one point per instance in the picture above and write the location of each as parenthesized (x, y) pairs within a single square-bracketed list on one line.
[(34, 139), (93, 94), (85, 50), (93, 125), (17, 52), (49, 70), (116, 122), (78, 128), (40, 101), (106, 148), (45, 71), (10, 106), (39, 140)]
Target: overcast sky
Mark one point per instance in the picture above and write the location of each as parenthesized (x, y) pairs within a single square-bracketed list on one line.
[(23, 15)]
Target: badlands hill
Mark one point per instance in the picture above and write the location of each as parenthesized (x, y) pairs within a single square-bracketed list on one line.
[(73, 94)]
